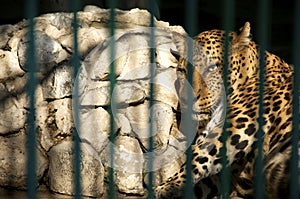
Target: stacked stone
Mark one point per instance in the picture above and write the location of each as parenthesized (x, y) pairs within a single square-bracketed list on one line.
[(128, 106)]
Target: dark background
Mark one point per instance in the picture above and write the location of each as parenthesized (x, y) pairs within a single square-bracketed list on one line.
[(210, 12)]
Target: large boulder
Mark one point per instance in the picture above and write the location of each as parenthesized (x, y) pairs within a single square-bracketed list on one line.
[(126, 104)]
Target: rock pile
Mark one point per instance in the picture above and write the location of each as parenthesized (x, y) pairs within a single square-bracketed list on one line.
[(127, 102)]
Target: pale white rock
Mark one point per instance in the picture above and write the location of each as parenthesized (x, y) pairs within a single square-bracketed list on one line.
[(134, 17), (94, 127), (123, 122), (16, 85), (13, 86), (9, 65), (5, 34), (132, 50), (54, 114), (55, 25), (163, 55), (39, 97), (49, 53), (163, 44), (129, 92), (177, 29), (14, 41), (139, 17), (98, 61), (13, 111), (129, 162), (94, 93), (47, 27), (13, 114), (13, 163), (165, 87), (61, 170), (81, 81), (44, 132), (125, 92), (60, 118), (162, 121), (135, 65), (177, 138), (139, 117), (132, 56), (62, 21), (54, 121), (88, 38), (59, 83)]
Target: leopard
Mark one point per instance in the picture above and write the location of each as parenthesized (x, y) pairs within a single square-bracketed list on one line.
[(211, 50)]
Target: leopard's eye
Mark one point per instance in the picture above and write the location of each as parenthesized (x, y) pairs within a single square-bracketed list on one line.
[(212, 68)]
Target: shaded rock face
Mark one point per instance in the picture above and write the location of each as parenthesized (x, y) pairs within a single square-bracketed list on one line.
[(126, 102), (61, 170), (13, 162)]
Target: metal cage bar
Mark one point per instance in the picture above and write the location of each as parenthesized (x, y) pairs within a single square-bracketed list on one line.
[(151, 99), (76, 132), (191, 19), (112, 78), (263, 19), (294, 167), (228, 24), (31, 12)]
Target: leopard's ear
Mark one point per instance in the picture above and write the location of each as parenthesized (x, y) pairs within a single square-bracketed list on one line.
[(242, 40)]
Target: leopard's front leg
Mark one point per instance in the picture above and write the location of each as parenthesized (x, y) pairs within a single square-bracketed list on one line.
[(206, 162), (207, 159)]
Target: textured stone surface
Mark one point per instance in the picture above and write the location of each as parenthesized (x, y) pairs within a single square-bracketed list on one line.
[(9, 65), (95, 127), (139, 118), (5, 34), (129, 162), (13, 115), (59, 83), (164, 87), (60, 118), (94, 93), (13, 161), (61, 170), (48, 52), (13, 86), (54, 122), (55, 104), (130, 92), (13, 110)]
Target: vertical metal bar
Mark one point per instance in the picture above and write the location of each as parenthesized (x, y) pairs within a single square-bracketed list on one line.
[(31, 11), (151, 100), (76, 65), (263, 19), (227, 23), (191, 8), (112, 79), (294, 192)]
